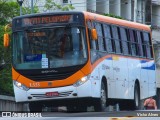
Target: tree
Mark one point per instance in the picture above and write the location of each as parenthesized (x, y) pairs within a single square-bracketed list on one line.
[(51, 5), (8, 10), (27, 7)]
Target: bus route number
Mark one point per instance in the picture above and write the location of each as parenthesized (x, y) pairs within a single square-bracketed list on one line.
[(36, 84)]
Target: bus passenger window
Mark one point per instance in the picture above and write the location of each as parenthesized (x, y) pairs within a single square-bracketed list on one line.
[(124, 41), (133, 40), (116, 39), (100, 36), (147, 45), (92, 42), (108, 38), (140, 49)]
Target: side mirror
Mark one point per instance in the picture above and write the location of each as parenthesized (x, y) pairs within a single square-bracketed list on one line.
[(6, 40), (94, 34)]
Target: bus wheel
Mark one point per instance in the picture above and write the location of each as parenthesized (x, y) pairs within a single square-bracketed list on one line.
[(35, 107), (157, 98), (136, 102), (100, 104)]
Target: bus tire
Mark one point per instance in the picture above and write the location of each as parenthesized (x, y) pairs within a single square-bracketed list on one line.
[(158, 98), (136, 101), (35, 107), (100, 104)]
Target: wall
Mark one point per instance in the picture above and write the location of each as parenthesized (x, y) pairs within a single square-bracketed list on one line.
[(7, 103)]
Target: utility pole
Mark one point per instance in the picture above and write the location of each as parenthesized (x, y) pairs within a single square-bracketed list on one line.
[(32, 11), (20, 2)]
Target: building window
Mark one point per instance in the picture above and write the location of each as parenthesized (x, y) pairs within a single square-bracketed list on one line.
[(65, 1)]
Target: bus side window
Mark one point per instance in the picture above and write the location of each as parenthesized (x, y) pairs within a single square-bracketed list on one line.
[(92, 42), (143, 46), (147, 45), (116, 39), (100, 37), (133, 40), (95, 24), (124, 40), (108, 38), (140, 49)]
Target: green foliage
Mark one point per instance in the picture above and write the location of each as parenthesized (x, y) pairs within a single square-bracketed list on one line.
[(8, 10), (112, 15), (27, 10), (51, 5), (6, 86)]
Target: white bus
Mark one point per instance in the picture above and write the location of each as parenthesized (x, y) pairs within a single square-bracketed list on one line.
[(100, 61)]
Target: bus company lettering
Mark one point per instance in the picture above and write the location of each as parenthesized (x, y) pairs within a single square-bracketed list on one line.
[(49, 71), (116, 69), (105, 67), (46, 19)]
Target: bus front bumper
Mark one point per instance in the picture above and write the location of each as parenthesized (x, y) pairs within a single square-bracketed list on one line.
[(60, 93)]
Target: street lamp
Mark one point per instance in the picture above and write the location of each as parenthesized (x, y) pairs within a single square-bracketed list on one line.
[(20, 2)]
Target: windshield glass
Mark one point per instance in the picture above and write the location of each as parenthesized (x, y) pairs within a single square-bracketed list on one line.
[(49, 48)]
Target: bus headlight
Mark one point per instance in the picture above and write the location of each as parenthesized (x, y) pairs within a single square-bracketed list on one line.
[(81, 81), (20, 85)]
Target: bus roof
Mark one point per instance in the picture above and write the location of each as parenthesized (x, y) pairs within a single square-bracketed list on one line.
[(94, 16), (116, 21), (49, 13)]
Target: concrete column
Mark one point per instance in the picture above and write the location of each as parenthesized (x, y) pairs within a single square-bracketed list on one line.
[(135, 11), (102, 6), (139, 11), (115, 7), (126, 9), (91, 5)]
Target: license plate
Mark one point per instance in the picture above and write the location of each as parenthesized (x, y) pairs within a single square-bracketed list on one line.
[(51, 94)]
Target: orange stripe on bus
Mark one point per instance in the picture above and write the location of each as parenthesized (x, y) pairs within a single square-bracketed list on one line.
[(120, 56)]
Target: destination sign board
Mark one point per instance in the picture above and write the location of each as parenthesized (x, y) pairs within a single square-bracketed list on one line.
[(41, 20), (46, 20)]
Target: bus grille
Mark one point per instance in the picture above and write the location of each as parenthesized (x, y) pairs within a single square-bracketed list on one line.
[(49, 77), (61, 94)]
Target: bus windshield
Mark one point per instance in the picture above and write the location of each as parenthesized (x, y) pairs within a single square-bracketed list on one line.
[(44, 48)]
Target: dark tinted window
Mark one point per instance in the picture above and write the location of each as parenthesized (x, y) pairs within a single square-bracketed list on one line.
[(124, 41), (133, 40), (100, 36), (140, 49), (108, 39), (147, 44), (116, 39)]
